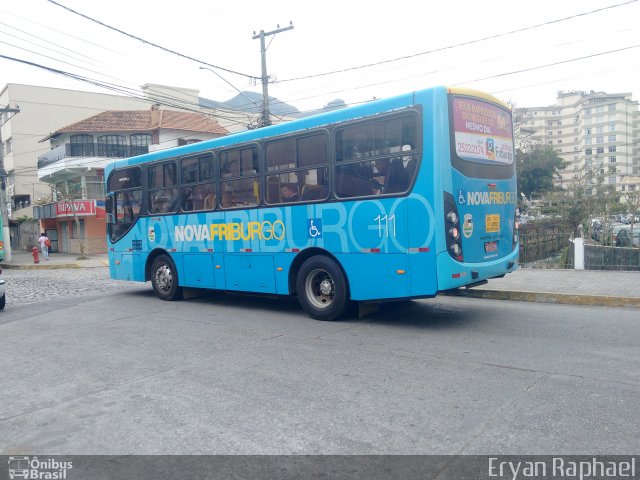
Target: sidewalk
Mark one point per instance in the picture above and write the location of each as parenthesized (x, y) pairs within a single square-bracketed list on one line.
[(24, 261), (577, 287)]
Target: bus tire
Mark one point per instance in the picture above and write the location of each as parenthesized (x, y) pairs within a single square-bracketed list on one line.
[(3, 301), (322, 288), (164, 278)]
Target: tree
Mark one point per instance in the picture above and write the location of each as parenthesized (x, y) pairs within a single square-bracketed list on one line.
[(632, 202), (69, 199), (537, 169), (587, 195)]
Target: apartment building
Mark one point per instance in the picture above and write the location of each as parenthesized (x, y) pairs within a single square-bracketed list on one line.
[(594, 132)]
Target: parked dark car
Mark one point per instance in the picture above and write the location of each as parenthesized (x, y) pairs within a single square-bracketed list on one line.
[(623, 239)]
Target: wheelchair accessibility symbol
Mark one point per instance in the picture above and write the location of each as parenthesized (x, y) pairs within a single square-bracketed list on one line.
[(314, 228)]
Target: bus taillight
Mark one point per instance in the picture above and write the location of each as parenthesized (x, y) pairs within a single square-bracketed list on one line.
[(452, 227)]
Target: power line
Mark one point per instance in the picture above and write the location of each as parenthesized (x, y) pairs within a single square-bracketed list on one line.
[(120, 89), (87, 57), (449, 47), (549, 64), (151, 43)]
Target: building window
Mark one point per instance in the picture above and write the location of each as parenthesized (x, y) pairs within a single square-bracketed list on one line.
[(559, 123), (612, 118), (74, 188), (612, 159), (587, 111), (599, 139), (81, 145), (559, 141), (600, 150), (95, 185), (21, 201), (559, 150), (587, 131), (112, 146), (612, 149), (575, 139), (612, 138), (588, 151), (587, 121), (612, 107), (139, 143), (559, 132), (550, 142), (612, 127), (587, 141), (600, 129)]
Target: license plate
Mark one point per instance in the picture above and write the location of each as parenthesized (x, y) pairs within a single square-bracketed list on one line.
[(490, 247)]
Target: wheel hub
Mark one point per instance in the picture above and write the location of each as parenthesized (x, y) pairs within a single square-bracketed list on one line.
[(326, 287), (164, 278)]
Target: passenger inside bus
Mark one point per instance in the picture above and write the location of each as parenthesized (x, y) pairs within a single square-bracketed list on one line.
[(289, 193)]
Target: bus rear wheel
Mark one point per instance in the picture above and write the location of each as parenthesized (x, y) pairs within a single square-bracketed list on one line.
[(322, 288), (164, 278)]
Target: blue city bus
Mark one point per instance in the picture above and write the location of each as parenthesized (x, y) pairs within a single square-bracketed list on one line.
[(394, 199)]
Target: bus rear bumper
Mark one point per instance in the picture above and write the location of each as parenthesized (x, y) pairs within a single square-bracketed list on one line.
[(452, 274)]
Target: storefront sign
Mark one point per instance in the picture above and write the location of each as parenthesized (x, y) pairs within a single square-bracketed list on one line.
[(81, 208)]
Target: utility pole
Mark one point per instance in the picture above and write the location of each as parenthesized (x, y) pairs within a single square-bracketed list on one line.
[(6, 232), (266, 120)]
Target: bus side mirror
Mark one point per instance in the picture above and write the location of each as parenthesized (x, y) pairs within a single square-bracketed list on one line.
[(108, 207)]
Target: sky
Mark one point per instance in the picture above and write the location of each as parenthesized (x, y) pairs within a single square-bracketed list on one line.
[(538, 48)]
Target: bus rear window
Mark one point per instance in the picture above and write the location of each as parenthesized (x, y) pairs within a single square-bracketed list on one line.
[(482, 131)]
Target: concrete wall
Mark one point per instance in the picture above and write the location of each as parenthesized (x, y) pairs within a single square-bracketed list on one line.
[(25, 236)]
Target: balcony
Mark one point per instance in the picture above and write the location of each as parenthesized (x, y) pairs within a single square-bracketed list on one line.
[(90, 150)]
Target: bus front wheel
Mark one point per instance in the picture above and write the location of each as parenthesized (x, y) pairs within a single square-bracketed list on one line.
[(322, 288), (164, 279)]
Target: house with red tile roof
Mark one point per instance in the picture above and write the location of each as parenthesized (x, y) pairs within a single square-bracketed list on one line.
[(74, 167)]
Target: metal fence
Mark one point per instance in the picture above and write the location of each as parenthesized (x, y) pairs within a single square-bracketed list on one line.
[(602, 257), (544, 249)]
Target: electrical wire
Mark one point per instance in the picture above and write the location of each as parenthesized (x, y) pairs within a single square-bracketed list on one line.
[(168, 50), (449, 47), (119, 89)]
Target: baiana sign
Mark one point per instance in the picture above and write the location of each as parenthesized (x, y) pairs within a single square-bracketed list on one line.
[(81, 207)]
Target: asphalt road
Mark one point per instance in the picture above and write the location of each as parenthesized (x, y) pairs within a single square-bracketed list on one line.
[(124, 373)]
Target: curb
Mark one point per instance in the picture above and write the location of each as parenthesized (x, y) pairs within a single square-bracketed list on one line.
[(548, 297), (54, 266)]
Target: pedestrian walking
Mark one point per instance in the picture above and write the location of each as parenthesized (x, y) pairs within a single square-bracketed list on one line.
[(45, 243)]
